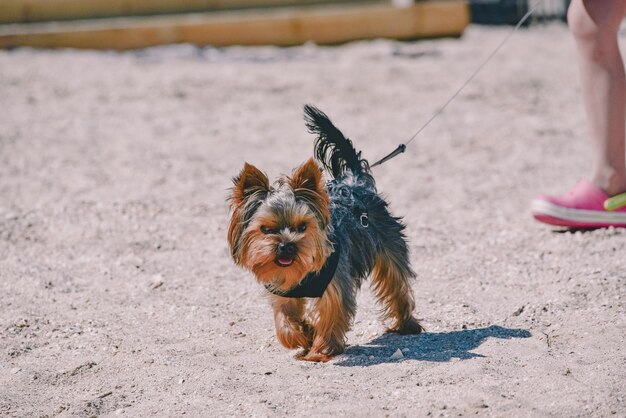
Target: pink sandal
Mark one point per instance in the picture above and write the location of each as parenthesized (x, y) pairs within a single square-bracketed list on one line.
[(582, 207)]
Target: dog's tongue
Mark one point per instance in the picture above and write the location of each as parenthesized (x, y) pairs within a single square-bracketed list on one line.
[(285, 261)]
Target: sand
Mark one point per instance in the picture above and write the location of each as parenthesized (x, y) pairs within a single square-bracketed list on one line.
[(117, 292)]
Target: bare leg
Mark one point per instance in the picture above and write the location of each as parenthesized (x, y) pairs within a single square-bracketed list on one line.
[(594, 24)]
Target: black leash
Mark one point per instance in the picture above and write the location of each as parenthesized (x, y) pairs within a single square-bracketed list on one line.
[(402, 147)]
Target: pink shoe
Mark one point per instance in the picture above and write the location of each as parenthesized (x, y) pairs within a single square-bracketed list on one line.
[(582, 207)]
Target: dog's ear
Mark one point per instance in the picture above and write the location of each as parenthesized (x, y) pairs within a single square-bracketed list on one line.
[(308, 186), (251, 182), (251, 187)]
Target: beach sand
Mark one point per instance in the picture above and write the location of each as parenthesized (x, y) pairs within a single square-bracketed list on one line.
[(118, 295)]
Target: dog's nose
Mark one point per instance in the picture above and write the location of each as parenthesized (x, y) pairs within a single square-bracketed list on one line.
[(287, 248)]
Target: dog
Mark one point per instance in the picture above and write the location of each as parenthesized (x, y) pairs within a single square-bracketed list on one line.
[(311, 243)]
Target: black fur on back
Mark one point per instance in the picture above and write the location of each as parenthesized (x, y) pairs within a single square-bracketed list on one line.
[(352, 193), (332, 148)]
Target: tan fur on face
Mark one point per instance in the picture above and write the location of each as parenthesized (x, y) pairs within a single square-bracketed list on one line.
[(306, 182), (259, 250), (250, 184), (300, 199)]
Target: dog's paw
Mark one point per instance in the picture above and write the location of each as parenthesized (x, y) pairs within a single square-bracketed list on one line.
[(295, 335), (410, 326), (321, 352), (314, 357)]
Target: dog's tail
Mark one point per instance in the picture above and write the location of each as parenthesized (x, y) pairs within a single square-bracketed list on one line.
[(332, 148)]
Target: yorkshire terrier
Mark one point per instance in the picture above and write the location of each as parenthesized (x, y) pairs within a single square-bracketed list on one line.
[(311, 243)]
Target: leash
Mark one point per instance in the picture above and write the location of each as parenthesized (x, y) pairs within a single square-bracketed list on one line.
[(402, 147)]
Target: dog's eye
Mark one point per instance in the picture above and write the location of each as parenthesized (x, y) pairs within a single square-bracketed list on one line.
[(302, 228), (266, 230)]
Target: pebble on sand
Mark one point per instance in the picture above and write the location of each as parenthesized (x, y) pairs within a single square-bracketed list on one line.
[(397, 355)]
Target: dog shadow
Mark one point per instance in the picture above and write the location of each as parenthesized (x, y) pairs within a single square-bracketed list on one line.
[(436, 347)]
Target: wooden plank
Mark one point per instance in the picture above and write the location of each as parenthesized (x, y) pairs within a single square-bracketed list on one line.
[(283, 27), (24, 11)]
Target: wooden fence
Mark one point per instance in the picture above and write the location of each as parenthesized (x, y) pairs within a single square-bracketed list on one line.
[(341, 21)]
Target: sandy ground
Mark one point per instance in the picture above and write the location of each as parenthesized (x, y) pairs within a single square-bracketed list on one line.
[(117, 292)]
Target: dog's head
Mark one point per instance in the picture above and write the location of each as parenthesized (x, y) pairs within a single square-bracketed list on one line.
[(279, 232)]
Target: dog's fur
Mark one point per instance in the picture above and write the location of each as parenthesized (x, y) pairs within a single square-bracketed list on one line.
[(284, 231)]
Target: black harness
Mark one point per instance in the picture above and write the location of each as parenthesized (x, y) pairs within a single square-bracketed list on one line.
[(313, 285)]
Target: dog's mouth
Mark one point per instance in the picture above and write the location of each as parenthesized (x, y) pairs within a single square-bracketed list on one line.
[(284, 261)]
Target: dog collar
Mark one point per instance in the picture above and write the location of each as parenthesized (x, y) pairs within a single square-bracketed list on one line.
[(313, 285)]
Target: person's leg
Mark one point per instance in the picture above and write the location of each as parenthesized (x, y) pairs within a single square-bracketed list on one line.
[(594, 24)]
